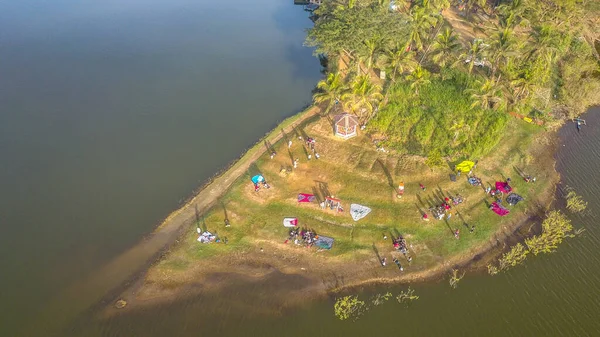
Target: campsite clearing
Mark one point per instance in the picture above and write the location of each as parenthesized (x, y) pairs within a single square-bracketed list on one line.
[(355, 172)]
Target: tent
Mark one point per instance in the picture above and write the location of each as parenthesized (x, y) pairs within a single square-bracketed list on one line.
[(359, 211), (466, 166), (290, 222), (258, 179), (324, 242), (503, 187), (499, 209), (303, 197), (513, 199)]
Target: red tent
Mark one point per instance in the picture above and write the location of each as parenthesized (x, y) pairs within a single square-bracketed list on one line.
[(503, 187), (303, 197), (498, 209)]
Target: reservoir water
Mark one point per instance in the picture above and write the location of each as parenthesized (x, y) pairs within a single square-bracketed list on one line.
[(113, 112)]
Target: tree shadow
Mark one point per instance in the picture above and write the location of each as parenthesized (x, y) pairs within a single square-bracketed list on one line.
[(420, 210), (421, 201), (285, 137), (376, 251), (387, 173), (459, 214), (291, 157), (225, 215), (320, 198), (449, 227), (520, 172), (323, 188), (269, 146), (253, 169)]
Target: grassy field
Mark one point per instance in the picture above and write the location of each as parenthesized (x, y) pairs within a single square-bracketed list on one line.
[(355, 172)]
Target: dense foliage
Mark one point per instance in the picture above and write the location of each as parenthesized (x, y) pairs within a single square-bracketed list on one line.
[(555, 228), (439, 121), (453, 70)]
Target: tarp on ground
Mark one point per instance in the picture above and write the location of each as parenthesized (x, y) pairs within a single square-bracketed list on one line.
[(359, 211), (513, 198), (466, 166), (324, 242), (503, 187), (303, 197), (258, 179), (290, 222), (499, 209)]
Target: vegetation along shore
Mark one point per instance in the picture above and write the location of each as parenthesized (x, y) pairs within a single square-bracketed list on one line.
[(431, 140)]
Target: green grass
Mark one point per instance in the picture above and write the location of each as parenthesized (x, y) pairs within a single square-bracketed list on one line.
[(354, 174)]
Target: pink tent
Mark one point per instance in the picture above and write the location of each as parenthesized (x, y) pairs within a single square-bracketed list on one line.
[(498, 209), (503, 187), (303, 197)]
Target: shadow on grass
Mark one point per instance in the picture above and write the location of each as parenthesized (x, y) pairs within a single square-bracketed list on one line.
[(387, 173), (376, 251)]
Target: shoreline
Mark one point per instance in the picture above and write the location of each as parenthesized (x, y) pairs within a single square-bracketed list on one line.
[(138, 294)]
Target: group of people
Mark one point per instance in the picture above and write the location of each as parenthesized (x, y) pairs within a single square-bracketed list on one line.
[(474, 181), (263, 183), (303, 237), (400, 244)]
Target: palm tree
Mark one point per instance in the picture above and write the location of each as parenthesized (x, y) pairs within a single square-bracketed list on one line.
[(399, 60), (476, 53), (503, 48), (444, 48), (436, 5), (418, 78), (362, 97), (329, 90), (544, 42), (421, 23), (487, 96)]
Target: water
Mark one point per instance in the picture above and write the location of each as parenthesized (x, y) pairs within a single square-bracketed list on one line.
[(552, 295), (113, 112)]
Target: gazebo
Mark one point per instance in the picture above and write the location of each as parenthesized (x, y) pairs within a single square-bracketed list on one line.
[(345, 125)]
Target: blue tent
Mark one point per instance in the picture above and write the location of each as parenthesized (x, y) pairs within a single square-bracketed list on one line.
[(258, 179)]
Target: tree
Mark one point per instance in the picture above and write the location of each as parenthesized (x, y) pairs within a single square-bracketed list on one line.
[(487, 96), (329, 90), (399, 60), (476, 52), (418, 78), (420, 24), (503, 48), (444, 48), (435, 5), (362, 97)]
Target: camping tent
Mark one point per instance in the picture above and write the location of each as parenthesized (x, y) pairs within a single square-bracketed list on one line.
[(290, 222), (499, 209), (258, 179), (324, 242), (503, 187), (466, 166), (303, 197), (513, 199), (359, 211)]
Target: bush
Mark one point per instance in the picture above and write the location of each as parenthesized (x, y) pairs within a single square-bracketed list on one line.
[(348, 307), (555, 228), (575, 202)]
